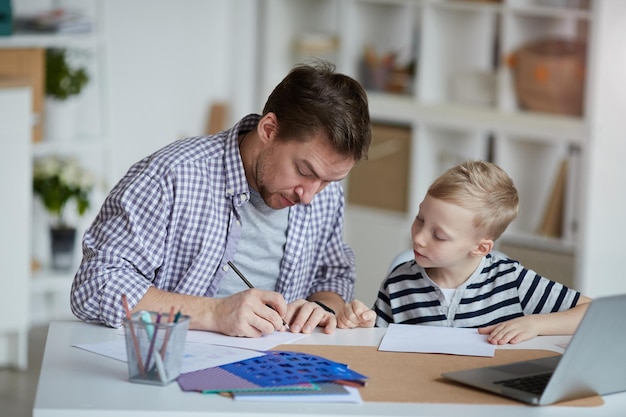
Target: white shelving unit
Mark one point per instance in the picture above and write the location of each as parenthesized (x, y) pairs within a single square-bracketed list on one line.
[(15, 148), (461, 104), (49, 288)]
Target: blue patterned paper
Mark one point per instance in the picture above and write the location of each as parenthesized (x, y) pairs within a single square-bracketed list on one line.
[(278, 368)]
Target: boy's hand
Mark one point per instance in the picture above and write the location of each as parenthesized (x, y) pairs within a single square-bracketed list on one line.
[(512, 331), (355, 314)]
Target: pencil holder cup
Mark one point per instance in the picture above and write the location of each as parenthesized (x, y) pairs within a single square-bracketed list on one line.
[(155, 346)]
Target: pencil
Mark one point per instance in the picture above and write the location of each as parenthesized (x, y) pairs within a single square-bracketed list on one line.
[(242, 276), (249, 284), (133, 335), (170, 319)]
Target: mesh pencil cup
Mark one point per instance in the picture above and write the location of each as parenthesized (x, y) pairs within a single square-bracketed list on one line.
[(155, 346)]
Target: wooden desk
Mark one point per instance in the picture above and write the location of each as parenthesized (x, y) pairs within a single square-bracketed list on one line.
[(78, 383)]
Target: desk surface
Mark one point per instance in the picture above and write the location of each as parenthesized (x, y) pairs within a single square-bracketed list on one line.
[(74, 382)]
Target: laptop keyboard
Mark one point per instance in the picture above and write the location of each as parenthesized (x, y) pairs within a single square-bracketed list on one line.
[(534, 383)]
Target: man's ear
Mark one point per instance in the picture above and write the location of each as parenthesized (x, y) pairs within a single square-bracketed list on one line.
[(267, 128), (483, 248)]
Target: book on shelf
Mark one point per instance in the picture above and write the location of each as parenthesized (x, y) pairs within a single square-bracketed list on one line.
[(552, 221), (55, 21)]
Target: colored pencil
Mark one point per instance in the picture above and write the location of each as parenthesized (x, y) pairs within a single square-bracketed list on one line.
[(133, 335), (170, 319), (155, 328)]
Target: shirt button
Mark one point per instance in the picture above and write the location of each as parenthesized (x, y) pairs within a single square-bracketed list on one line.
[(230, 191), (238, 223), (225, 267), (243, 197)]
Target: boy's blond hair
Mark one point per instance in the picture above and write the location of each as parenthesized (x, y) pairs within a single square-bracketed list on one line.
[(484, 188)]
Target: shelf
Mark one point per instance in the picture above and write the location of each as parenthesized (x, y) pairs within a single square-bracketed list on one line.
[(89, 144), (403, 109), (470, 6), (81, 145), (555, 12), (536, 242), (412, 3), (36, 40), (51, 281)]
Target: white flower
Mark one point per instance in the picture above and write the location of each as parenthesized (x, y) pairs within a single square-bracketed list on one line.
[(59, 180), (48, 166), (71, 173)]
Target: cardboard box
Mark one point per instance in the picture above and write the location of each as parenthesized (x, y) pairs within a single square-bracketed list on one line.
[(28, 63), (556, 266), (382, 180)]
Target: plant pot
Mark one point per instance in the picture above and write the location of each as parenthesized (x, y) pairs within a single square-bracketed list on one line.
[(62, 243), (60, 119)]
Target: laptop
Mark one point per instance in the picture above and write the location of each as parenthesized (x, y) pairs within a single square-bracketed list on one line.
[(594, 362)]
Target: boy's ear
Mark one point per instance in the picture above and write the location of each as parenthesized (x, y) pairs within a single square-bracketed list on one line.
[(483, 248)]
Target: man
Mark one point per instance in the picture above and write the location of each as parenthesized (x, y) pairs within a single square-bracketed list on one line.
[(264, 195)]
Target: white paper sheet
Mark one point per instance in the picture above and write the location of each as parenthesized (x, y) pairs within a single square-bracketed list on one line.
[(264, 342), (204, 349), (434, 339), (197, 355)]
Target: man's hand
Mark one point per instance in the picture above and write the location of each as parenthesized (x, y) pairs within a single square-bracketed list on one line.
[(355, 314), (304, 316), (250, 313)]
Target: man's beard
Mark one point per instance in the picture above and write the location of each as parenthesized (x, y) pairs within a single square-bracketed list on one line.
[(261, 173)]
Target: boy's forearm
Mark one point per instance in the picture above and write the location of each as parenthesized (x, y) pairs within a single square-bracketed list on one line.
[(562, 322)]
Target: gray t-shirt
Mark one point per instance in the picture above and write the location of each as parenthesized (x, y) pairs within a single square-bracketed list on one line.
[(260, 250)]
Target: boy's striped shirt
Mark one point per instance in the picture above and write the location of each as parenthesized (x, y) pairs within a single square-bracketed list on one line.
[(500, 289)]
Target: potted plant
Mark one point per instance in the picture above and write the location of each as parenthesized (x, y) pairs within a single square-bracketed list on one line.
[(64, 82), (59, 181)]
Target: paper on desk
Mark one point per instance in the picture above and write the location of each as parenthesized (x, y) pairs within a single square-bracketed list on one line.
[(205, 349), (264, 342), (197, 355), (434, 339)]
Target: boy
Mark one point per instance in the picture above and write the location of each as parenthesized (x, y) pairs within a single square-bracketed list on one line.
[(456, 281)]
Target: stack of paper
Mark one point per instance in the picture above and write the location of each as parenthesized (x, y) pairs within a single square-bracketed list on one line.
[(278, 375)]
